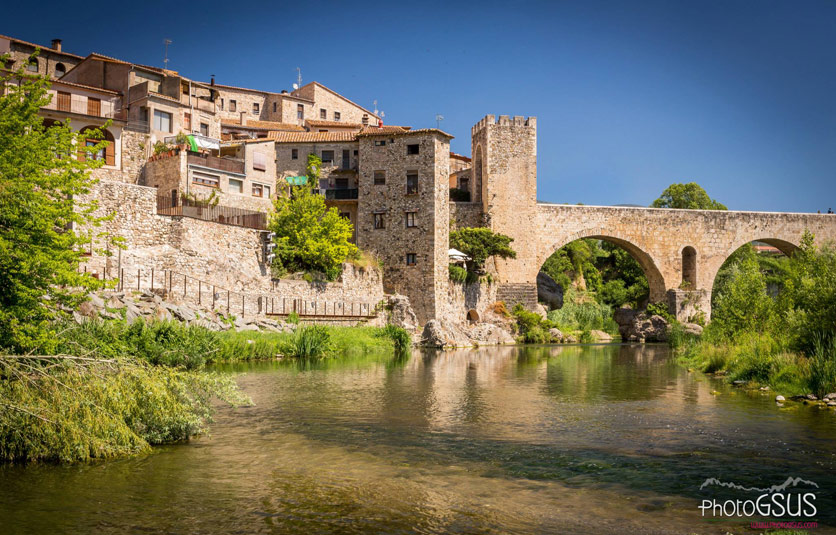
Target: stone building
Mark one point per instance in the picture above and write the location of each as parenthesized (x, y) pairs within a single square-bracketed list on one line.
[(52, 61)]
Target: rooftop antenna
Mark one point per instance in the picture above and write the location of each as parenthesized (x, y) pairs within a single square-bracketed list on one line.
[(377, 112), (298, 83), (165, 60), (438, 119)]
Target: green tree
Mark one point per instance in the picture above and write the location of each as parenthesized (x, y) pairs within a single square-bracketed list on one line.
[(689, 196), (480, 244), (40, 184), (309, 235), (743, 305), (314, 168)]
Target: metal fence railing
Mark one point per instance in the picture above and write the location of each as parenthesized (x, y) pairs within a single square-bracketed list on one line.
[(174, 206), (180, 287)]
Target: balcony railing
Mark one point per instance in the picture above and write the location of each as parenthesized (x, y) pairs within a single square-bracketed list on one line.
[(82, 105), (340, 194), (213, 162), (228, 215)]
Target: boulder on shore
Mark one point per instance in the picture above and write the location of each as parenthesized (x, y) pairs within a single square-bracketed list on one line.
[(600, 336), (637, 326), (548, 291), (401, 313)]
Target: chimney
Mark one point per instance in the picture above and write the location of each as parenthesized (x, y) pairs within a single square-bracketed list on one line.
[(56, 44), (212, 82), (380, 123), (284, 91)]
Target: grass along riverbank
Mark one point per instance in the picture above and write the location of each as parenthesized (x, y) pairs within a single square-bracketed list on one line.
[(784, 338), (111, 389)]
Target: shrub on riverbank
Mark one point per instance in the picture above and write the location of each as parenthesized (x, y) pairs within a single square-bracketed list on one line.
[(787, 341), (68, 409)]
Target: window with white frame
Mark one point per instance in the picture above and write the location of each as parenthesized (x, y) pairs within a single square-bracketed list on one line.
[(205, 179), (236, 186), (162, 121), (410, 219)]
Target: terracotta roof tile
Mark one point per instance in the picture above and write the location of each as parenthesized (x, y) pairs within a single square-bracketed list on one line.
[(263, 125), (312, 137), (87, 87), (320, 123), (370, 132), (386, 129)]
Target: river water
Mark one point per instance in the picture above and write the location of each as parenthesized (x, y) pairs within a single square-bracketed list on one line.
[(568, 439)]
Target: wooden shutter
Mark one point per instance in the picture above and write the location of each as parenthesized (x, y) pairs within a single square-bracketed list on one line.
[(94, 107), (259, 161), (63, 101), (110, 153), (187, 122)]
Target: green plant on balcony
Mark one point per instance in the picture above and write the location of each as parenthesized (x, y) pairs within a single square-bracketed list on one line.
[(201, 202)]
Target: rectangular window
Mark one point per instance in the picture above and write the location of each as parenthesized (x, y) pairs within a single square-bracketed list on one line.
[(256, 109), (187, 122), (94, 107), (267, 191), (412, 149), (205, 179), (411, 183), (204, 129), (410, 259), (464, 183), (327, 157), (345, 215), (259, 161), (94, 155), (233, 105), (341, 183), (63, 101), (323, 114), (380, 143), (336, 116), (236, 186), (294, 154), (258, 190), (379, 178), (410, 219), (378, 221), (222, 104), (300, 111), (274, 107), (162, 121)]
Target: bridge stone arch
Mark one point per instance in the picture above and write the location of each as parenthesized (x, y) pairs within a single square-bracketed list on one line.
[(784, 245), (655, 279)]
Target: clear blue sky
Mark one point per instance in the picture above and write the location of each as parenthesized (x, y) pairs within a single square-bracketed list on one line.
[(630, 96)]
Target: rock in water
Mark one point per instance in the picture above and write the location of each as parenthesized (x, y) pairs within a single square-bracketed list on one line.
[(636, 326), (779, 398), (600, 336), (442, 334), (555, 336)]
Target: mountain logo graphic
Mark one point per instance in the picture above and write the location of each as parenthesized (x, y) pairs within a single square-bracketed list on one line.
[(791, 482)]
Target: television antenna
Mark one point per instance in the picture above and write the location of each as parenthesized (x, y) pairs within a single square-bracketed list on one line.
[(438, 119), (166, 42), (378, 113), (298, 83)]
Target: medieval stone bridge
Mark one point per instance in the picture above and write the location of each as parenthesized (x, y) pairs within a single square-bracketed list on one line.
[(680, 251)]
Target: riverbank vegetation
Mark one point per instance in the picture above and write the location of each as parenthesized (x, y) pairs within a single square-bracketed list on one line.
[(773, 322)]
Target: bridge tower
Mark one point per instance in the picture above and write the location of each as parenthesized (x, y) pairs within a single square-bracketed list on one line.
[(504, 155)]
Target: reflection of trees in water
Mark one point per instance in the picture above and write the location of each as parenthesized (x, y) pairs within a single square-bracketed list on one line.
[(627, 372)]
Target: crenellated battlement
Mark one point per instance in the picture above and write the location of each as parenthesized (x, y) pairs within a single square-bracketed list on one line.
[(504, 120)]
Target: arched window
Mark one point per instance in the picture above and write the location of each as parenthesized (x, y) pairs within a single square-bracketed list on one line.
[(689, 268), (108, 154), (60, 70), (32, 65)]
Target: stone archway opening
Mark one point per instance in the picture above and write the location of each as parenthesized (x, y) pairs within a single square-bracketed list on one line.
[(771, 255), (472, 316), (589, 277), (689, 268)]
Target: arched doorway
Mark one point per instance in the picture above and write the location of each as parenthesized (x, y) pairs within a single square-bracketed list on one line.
[(472, 316), (108, 153)]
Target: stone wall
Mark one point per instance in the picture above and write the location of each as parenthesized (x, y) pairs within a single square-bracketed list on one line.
[(463, 298), (287, 166), (226, 256), (466, 215), (326, 99)]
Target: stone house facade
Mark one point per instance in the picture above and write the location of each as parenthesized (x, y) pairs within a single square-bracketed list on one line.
[(52, 61)]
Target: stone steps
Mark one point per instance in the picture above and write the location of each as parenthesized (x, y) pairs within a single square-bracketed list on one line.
[(513, 293)]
